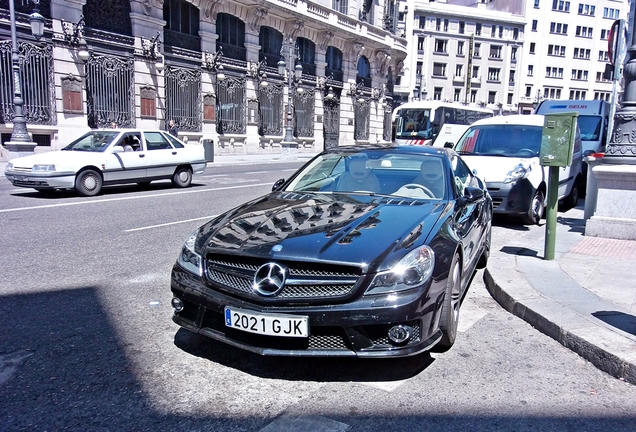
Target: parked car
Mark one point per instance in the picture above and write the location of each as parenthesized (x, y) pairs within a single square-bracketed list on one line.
[(106, 157), (504, 152), (364, 251)]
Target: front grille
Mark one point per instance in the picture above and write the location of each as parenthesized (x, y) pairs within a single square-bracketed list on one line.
[(305, 281)]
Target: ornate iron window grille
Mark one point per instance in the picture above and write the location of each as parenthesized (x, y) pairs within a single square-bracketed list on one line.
[(183, 98), (110, 91), (362, 112), (231, 106), (271, 111), (304, 109), (36, 69)]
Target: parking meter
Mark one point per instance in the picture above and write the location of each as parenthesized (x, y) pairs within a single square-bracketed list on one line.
[(557, 146), (557, 140)]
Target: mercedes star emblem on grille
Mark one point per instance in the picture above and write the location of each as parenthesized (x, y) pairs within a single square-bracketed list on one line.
[(269, 279)]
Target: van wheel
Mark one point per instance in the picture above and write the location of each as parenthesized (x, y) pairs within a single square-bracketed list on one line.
[(535, 212), (572, 199)]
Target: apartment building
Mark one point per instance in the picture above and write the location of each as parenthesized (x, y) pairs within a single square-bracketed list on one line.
[(506, 55)]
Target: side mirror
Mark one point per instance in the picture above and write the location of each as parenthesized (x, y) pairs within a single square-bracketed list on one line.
[(449, 144), (279, 183), (473, 194), (118, 149)]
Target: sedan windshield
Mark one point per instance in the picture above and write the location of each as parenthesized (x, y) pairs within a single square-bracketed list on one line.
[(94, 141), (501, 140), (376, 173)]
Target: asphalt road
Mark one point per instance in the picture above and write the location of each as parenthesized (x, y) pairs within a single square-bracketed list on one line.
[(87, 341)]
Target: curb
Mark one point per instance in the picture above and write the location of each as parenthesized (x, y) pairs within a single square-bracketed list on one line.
[(599, 345)]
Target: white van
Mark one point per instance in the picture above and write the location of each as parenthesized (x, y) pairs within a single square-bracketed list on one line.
[(593, 120), (504, 152)]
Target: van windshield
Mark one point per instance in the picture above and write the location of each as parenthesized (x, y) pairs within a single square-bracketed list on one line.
[(501, 140), (590, 127)]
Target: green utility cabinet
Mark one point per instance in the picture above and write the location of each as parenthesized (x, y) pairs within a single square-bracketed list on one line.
[(557, 141)]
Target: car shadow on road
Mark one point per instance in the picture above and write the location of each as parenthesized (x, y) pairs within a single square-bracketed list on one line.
[(320, 369)]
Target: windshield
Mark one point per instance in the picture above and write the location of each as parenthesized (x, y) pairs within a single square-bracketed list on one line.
[(590, 127), (376, 173), (501, 140), (414, 122), (94, 141)]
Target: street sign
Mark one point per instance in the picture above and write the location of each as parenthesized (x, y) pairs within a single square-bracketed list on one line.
[(612, 40)]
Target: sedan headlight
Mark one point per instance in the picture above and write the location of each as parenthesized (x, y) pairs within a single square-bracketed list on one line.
[(188, 258), (412, 271), (517, 173), (10, 166), (43, 168)]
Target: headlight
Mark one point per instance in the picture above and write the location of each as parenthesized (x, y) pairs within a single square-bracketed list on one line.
[(517, 173), (43, 168), (9, 166), (188, 258), (412, 271)]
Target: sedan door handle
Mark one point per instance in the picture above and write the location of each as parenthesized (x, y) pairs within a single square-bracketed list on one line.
[(174, 152), (142, 155)]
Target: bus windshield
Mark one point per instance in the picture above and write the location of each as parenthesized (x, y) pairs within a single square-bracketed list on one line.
[(414, 123)]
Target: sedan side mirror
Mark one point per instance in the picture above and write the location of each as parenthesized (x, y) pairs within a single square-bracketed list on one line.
[(279, 183), (473, 194)]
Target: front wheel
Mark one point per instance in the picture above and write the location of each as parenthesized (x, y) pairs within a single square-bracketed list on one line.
[(450, 307), (88, 183), (535, 212), (182, 177)]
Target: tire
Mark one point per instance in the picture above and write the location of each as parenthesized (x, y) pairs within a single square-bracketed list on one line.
[(535, 212), (572, 199), (88, 183), (182, 177), (485, 254), (450, 307)]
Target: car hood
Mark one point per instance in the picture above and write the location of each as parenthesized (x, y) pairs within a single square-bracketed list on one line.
[(496, 168), (370, 232), (58, 158)]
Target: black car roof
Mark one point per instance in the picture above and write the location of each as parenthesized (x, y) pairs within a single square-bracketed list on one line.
[(438, 151)]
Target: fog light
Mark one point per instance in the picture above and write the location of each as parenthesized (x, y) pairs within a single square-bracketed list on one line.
[(400, 333), (177, 304)]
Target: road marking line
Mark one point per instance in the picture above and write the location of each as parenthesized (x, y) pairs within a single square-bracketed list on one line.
[(126, 198), (169, 223)]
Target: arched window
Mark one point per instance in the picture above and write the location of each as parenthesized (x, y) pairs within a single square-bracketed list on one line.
[(231, 31), (334, 63), (306, 54), (271, 41), (98, 14), (364, 72), (182, 25)]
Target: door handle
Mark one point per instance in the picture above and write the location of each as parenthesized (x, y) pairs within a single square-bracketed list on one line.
[(174, 152), (142, 155)]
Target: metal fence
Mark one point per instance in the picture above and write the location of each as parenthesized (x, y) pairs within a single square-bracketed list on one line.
[(231, 106), (110, 91), (183, 98)]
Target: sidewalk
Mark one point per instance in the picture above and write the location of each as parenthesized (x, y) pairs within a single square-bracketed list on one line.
[(585, 298)]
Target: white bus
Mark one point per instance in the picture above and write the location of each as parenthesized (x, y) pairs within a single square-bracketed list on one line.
[(433, 122), (593, 120)]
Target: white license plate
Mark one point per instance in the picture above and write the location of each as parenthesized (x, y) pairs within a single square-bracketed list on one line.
[(267, 324)]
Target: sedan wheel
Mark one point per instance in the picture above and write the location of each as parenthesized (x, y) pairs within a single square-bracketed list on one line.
[(535, 212), (450, 307), (88, 183), (182, 177)]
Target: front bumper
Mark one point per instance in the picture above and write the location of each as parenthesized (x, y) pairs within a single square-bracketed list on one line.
[(511, 198), (357, 328), (45, 180)]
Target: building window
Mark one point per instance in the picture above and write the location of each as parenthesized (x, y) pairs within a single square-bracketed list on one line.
[(493, 74), (148, 97), (602, 96), (582, 53), (475, 72), (560, 5), (511, 80), (72, 94), (459, 70), (611, 13), (500, 32), (422, 22), (536, 3), (515, 33), (579, 74), (440, 46), (603, 56), (473, 96), (457, 95), (528, 91), (476, 49), (341, 6), (445, 25), (604, 34), (495, 52), (420, 44), (231, 41), (556, 50), (558, 28), (493, 30), (437, 93), (577, 94), (460, 48), (535, 23), (513, 54), (552, 93), (271, 41), (533, 46), (478, 29), (439, 69), (585, 32), (586, 9), (509, 99), (462, 27), (553, 72), (492, 97), (438, 24), (530, 70)]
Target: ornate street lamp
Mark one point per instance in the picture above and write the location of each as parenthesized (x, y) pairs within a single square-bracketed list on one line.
[(293, 79), (20, 139)]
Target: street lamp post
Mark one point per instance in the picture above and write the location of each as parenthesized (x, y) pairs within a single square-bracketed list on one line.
[(21, 142), (294, 74)]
